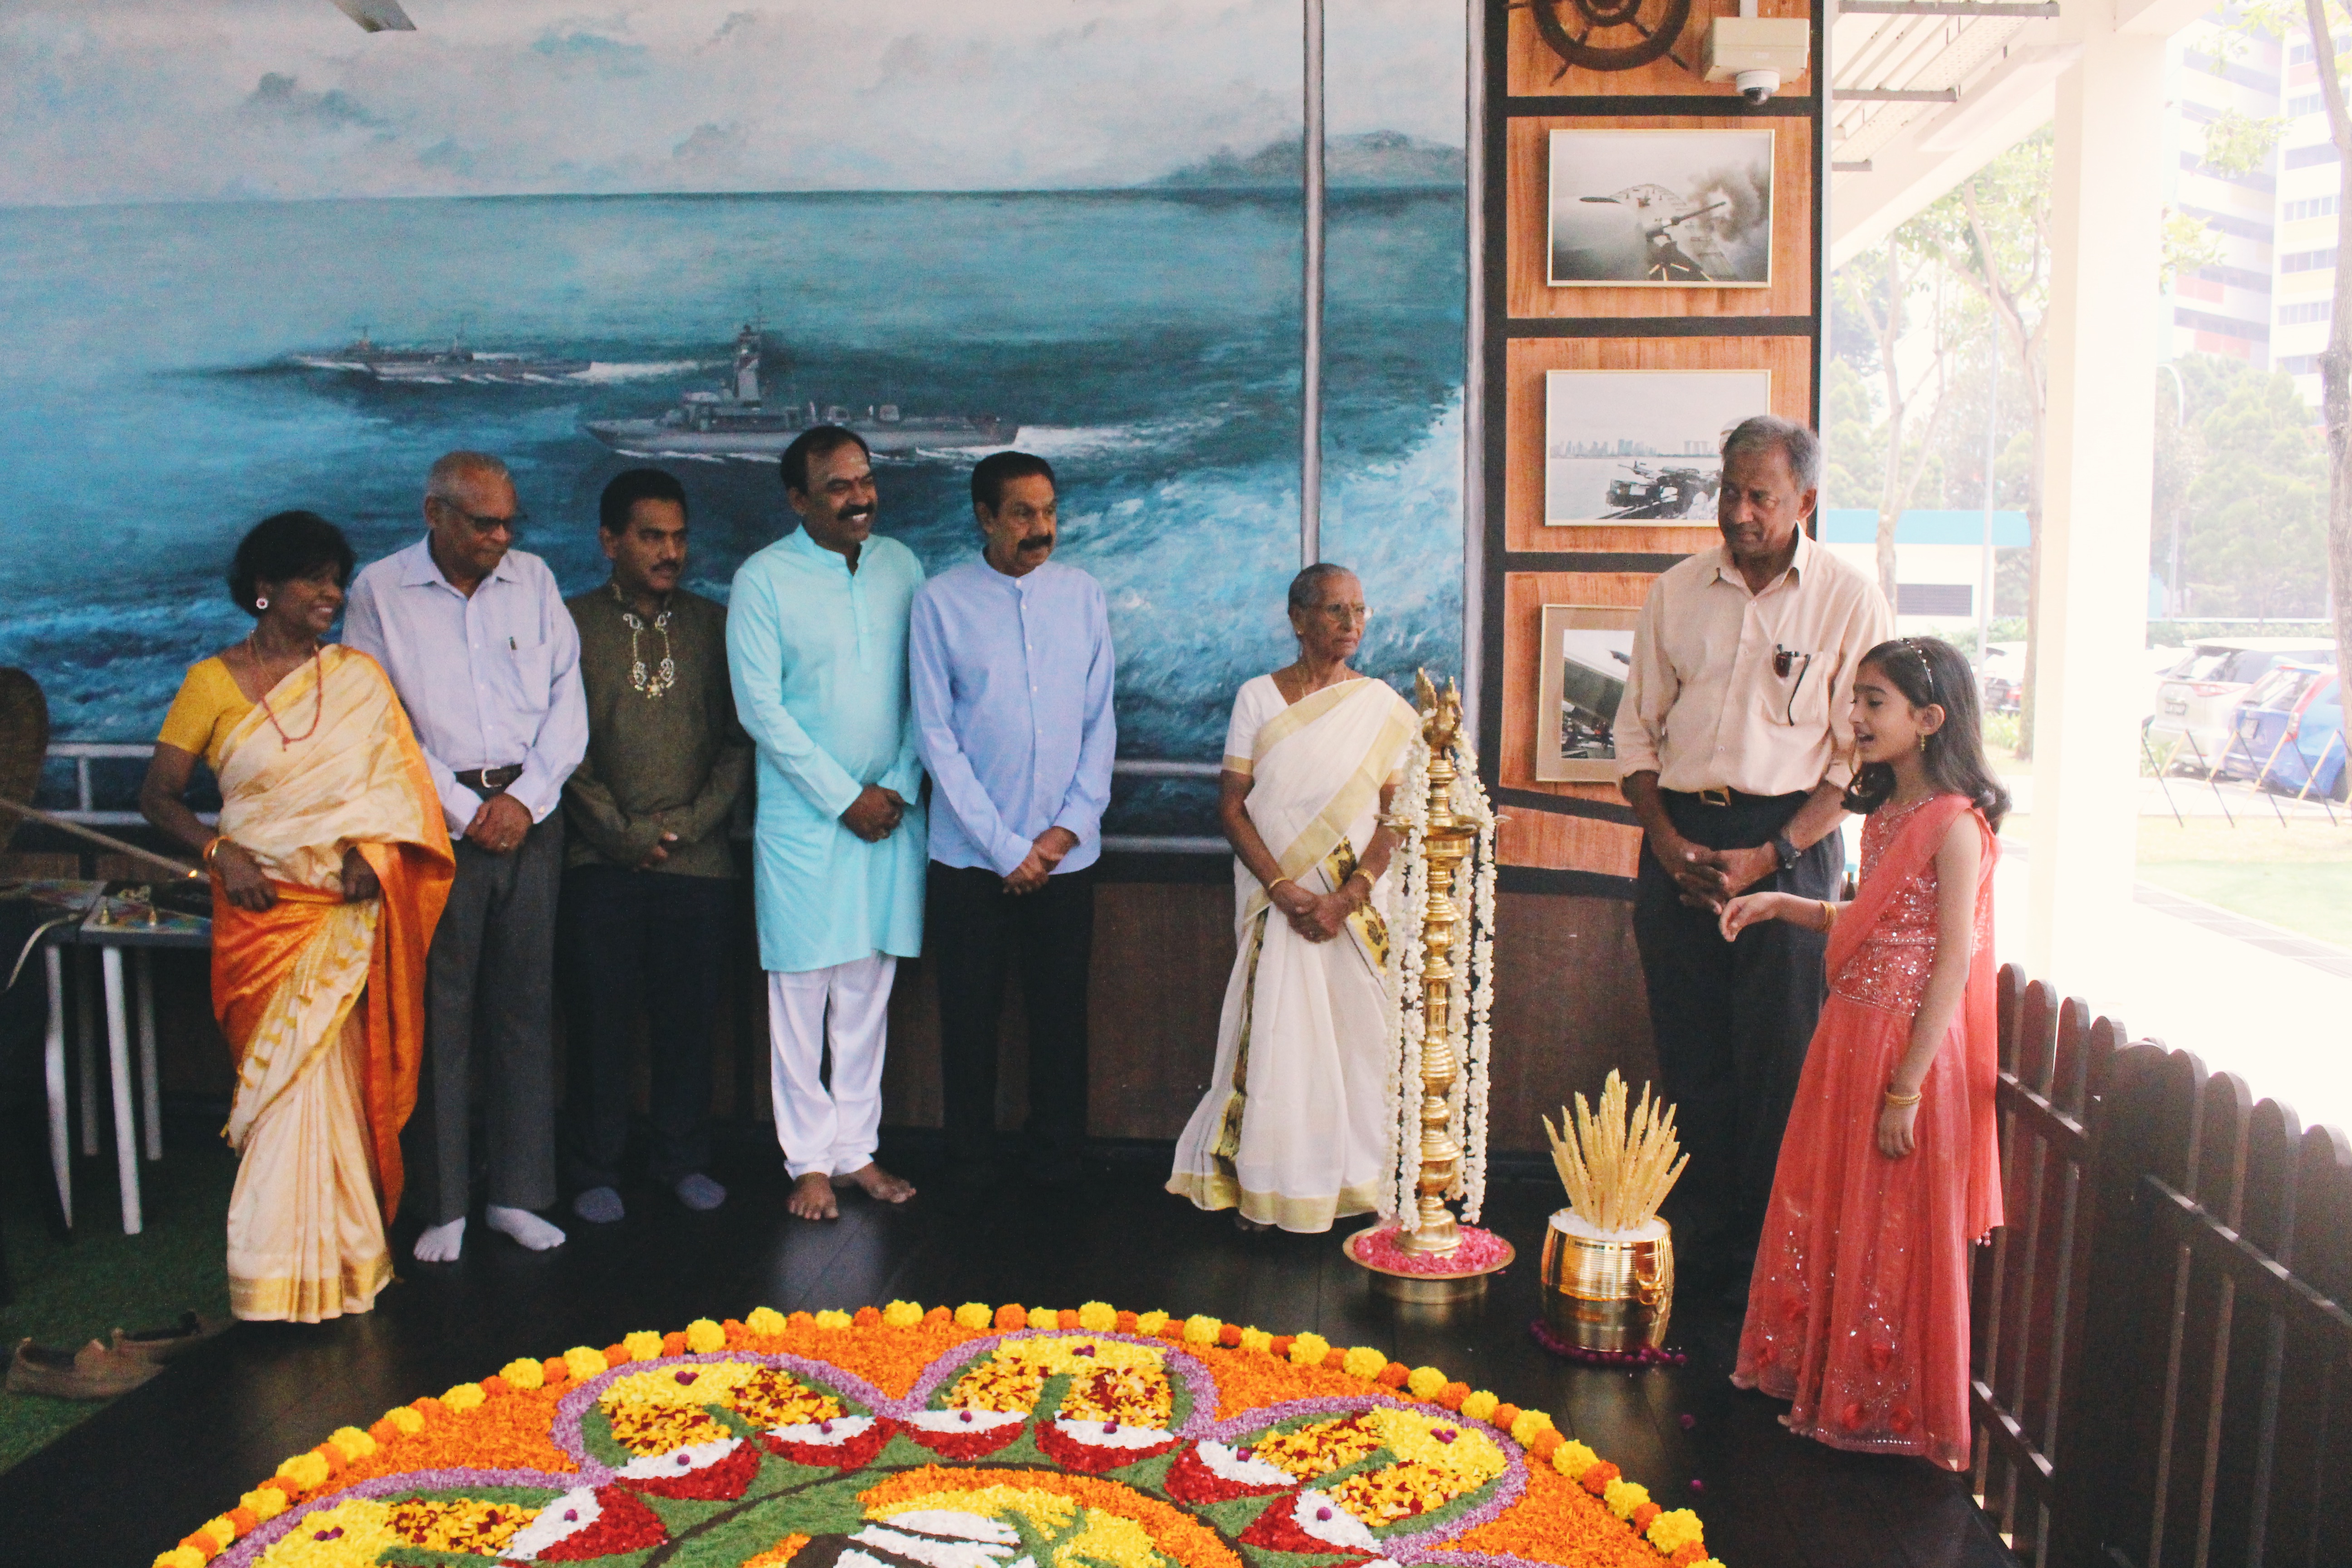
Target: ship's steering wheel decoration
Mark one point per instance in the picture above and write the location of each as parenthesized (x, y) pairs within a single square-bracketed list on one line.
[(1609, 35)]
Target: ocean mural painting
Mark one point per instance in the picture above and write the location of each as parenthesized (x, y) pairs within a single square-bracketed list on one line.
[(312, 262)]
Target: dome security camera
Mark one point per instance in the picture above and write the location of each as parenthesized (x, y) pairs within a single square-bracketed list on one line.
[(1758, 86)]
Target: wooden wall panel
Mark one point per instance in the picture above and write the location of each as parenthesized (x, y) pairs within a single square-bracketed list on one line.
[(1568, 1005), (1790, 292), (1525, 362), (1163, 956), (1552, 842), (1525, 593), (1536, 72)]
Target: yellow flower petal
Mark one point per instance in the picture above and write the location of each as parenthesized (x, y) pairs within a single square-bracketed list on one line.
[(524, 1372), (763, 1321), (703, 1336), (1098, 1317), (974, 1315), (643, 1346)]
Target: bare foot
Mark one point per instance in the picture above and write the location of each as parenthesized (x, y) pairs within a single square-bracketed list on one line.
[(441, 1243), (813, 1198), (878, 1184)]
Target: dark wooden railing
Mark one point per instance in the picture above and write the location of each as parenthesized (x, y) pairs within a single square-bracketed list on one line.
[(2163, 1356)]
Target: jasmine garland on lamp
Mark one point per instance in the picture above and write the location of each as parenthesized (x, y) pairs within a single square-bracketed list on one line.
[(1858, 1313)]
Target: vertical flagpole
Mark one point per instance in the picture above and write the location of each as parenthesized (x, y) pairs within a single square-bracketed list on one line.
[(1310, 410)]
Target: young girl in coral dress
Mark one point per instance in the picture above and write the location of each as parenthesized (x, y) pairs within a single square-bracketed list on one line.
[(1858, 1310)]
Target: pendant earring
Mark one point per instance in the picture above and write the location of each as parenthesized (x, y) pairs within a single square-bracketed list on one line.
[(1923, 744), (262, 603)]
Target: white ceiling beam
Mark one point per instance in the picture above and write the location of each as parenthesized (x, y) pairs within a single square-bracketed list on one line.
[(1936, 152)]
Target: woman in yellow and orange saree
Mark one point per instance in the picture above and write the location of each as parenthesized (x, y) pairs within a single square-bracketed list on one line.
[(330, 868)]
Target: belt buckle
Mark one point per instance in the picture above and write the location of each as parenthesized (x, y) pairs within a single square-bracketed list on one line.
[(1715, 796)]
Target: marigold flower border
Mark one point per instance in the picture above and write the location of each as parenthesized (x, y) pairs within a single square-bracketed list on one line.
[(1676, 1536)]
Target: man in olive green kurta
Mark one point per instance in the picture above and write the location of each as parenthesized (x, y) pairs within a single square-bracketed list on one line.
[(648, 889)]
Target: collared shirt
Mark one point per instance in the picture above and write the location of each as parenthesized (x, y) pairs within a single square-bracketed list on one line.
[(1012, 704), (1705, 707), (489, 680), (673, 763), (818, 657)]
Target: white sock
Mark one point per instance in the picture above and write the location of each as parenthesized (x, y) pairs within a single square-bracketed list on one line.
[(441, 1243), (525, 1227)]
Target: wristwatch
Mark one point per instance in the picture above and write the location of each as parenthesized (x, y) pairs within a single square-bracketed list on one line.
[(1786, 852)]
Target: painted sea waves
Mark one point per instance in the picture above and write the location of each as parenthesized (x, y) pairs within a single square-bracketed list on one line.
[(174, 372)]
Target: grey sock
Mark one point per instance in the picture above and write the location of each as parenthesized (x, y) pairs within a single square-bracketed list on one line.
[(699, 1192), (598, 1205)]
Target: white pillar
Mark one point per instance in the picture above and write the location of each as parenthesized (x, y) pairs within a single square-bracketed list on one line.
[(2106, 210)]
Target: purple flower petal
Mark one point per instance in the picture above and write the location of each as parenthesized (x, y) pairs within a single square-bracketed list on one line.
[(686, 1377), (1321, 1514)]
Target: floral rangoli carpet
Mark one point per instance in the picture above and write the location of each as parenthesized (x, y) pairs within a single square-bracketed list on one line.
[(1017, 1437)]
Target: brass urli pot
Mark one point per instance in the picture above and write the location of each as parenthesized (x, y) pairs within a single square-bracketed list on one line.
[(1608, 1293)]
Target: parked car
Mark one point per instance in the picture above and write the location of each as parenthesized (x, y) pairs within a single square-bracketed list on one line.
[(2288, 734), (2197, 698), (2000, 676)]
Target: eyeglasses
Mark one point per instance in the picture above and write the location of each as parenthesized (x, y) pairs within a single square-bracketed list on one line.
[(512, 523), (1344, 614)]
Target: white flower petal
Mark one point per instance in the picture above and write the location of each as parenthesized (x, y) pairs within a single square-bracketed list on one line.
[(1095, 1435), (697, 1457), (930, 1550), (574, 1511), (965, 1420), (1226, 1463), (1342, 1530), (814, 1433)]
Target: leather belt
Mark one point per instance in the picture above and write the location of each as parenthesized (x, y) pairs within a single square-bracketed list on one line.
[(487, 782), (1726, 798)]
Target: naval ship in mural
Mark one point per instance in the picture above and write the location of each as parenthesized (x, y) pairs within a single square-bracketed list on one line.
[(735, 421), (363, 356)]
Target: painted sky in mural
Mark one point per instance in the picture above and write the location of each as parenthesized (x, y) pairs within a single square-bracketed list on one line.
[(1075, 220), (124, 99)]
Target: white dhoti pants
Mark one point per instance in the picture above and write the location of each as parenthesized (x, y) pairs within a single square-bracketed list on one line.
[(829, 1129)]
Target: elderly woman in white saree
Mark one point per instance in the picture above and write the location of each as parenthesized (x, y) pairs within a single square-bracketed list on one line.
[(1293, 1131)]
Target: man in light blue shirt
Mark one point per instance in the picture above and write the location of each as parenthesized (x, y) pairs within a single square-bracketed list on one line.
[(1013, 675), (816, 647), (475, 640)]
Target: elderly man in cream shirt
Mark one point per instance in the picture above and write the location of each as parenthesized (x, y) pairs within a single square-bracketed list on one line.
[(1733, 741)]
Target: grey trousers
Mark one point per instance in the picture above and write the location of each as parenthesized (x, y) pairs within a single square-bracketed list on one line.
[(489, 985)]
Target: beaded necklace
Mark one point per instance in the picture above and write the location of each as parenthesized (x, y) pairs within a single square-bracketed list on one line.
[(665, 674), (318, 693)]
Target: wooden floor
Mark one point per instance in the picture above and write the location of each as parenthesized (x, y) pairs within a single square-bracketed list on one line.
[(133, 1480)]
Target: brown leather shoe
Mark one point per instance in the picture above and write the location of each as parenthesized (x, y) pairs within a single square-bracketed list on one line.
[(161, 1345), (93, 1372)]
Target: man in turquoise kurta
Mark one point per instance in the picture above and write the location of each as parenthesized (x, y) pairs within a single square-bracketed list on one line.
[(816, 645)]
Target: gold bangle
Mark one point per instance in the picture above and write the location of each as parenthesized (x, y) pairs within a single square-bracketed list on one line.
[(1903, 1102), (211, 849), (1278, 882), (1828, 916)]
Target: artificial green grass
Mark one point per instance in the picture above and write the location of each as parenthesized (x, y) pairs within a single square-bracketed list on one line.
[(2313, 900), (69, 1292)]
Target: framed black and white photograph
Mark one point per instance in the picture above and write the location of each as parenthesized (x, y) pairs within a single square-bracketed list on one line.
[(1666, 209), (1641, 446), (1587, 650)]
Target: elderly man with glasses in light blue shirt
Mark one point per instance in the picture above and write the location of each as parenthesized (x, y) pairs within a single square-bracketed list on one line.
[(486, 660), (1012, 663)]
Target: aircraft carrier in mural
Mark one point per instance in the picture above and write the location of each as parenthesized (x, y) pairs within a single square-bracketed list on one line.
[(735, 420), (437, 367)]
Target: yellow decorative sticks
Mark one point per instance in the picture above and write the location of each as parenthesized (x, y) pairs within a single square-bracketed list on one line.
[(1617, 1168)]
